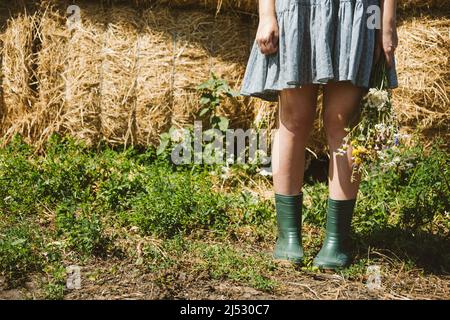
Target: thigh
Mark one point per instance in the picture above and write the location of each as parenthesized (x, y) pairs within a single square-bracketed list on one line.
[(341, 101)]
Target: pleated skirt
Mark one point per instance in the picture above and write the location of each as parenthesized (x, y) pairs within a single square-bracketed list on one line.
[(319, 41)]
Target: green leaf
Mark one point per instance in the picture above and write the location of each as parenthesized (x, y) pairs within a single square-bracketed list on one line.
[(19, 242), (209, 133), (164, 136), (204, 111), (204, 100), (162, 147), (223, 123)]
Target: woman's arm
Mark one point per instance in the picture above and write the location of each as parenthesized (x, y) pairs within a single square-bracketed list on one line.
[(387, 37), (267, 35), (266, 8)]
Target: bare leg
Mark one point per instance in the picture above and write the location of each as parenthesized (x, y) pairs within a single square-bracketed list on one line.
[(341, 109), (296, 119)]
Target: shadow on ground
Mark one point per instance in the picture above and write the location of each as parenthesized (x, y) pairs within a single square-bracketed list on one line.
[(430, 252)]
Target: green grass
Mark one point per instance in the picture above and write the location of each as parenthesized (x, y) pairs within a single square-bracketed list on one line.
[(224, 262), (73, 203)]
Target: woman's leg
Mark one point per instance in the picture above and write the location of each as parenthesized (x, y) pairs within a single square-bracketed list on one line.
[(341, 110), (296, 118)]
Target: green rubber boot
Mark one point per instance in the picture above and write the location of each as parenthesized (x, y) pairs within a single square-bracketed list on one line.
[(289, 240), (335, 251)]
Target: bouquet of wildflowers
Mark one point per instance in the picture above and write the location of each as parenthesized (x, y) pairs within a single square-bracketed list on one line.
[(376, 137)]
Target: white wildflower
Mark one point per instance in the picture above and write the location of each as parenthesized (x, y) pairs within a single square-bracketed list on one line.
[(380, 127), (230, 160), (341, 151), (377, 99), (225, 173), (265, 172)]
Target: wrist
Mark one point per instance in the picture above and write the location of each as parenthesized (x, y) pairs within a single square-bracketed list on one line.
[(267, 16), (389, 21), (389, 26)]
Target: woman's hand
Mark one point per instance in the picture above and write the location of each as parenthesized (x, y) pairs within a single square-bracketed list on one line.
[(267, 35), (387, 39), (387, 42)]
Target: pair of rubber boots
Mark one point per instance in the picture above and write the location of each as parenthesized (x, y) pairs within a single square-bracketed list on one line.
[(335, 250)]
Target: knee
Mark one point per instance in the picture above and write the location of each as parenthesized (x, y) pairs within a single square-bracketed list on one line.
[(335, 131), (298, 117), (297, 122), (334, 125)]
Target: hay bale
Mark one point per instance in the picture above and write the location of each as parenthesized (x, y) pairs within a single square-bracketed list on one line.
[(155, 72), (245, 6), (19, 88), (424, 4), (118, 86), (192, 59), (126, 76), (3, 20), (177, 51), (83, 76), (424, 73), (232, 36), (251, 6), (248, 7), (206, 43), (51, 63)]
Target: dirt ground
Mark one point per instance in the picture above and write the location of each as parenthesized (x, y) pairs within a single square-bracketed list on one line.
[(113, 280)]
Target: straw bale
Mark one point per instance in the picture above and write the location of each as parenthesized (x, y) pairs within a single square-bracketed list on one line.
[(232, 36), (51, 62), (155, 72), (251, 6), (118, 86), (125, 75), (83, 76), (244, 6), (424, 4), (424, 73), (3, 20), (192, 59), (19, 87)]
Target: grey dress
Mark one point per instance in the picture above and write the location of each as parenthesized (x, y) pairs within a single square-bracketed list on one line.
[(319, 40)]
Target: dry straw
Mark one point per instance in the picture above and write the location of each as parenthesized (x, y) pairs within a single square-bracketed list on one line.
[(51, 61), (424, 4), (119, 73), (125, 74), (19, 94), (154, 81), (424, 73), (246, 6), (83, 76), (192, 61), (251, 6), (3, 20)]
